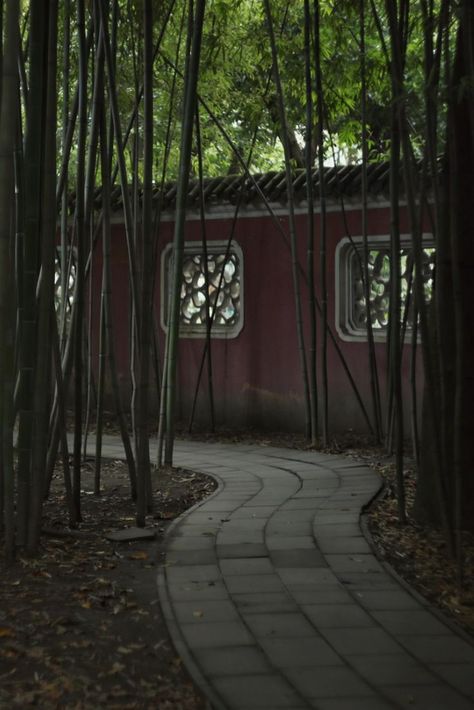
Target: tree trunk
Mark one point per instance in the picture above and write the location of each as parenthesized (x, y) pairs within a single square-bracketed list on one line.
[(189, 111), (456, 332), (8, 135)]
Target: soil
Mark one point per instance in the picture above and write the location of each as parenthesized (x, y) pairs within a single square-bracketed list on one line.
[(81, 627)]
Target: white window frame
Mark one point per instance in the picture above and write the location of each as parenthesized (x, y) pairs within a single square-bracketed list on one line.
[(199, 331), (343, 282)]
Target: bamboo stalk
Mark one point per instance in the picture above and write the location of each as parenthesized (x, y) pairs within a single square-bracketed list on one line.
[(323, 226), (312, 358), (291, 218), (35, 118), (143, 451), (8, 133), (185, 155), (43, 351), (374, 379), (80, 263)]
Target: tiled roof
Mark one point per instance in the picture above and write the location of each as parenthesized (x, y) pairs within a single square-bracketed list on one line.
[(340, 181), (344, 180)]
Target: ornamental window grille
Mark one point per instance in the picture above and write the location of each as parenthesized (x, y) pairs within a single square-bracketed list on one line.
[(208, 294), (352, 307), (69, 286)]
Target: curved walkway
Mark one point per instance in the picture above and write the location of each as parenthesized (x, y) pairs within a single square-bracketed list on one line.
[(274, 599)]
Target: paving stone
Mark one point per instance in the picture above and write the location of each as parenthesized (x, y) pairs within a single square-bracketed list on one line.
[(246, 565), (314, 491), (331, 518), (244, 549), (204, 517), (337, 616), (254, 512), (358, 581), (241, 584), (257, 691), (439, 649), (193, 573), (189, 529), (386, 599), (333, 594), (336, 530), (264, 602), (391, 669), (278, 542), (264, 500), (355, 562), (300, 652), (278, 625), (346, 545), (191, 542), (215, 634), (218, 505), (350, 641), (292, 518), (191, 557), (368, 702), (298, 558), (304, 576), (233, 660), (231, 526), (304, 503), (409, 622), (431, 697), (245, 537), (459, 675), (205, 611), (288, 529), (330, 681), (197, 591)]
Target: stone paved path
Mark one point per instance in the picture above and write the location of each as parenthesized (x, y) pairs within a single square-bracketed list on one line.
[(274, 599)]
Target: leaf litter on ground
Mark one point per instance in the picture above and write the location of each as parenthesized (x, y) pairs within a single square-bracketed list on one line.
[(80, 626)]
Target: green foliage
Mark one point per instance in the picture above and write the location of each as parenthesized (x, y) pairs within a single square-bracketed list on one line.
[(235, 80)]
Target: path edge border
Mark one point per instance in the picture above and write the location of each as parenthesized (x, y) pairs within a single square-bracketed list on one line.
[(436, 611), (213, 701)]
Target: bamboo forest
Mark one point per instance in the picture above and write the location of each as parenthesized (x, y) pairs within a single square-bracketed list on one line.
[(228, 222), (100, 97)]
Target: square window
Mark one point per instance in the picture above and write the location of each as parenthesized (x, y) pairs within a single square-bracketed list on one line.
[(351, 309), (212, 294)]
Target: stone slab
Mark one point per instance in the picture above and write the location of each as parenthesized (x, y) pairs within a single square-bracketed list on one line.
[(267, 691), (300, 652), (130, 534), (329, 681)]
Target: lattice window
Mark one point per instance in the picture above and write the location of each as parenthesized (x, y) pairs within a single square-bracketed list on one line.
[(222, 281), (70, 284), (352, 309)]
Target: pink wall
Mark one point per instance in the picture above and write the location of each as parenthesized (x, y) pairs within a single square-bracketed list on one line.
[(257, 379)]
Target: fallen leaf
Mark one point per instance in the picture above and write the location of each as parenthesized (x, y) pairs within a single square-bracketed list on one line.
[(139, 555), (124, 650), (116, 668)]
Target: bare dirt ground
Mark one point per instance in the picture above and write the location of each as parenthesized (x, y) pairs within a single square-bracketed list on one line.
[(81, 627)]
